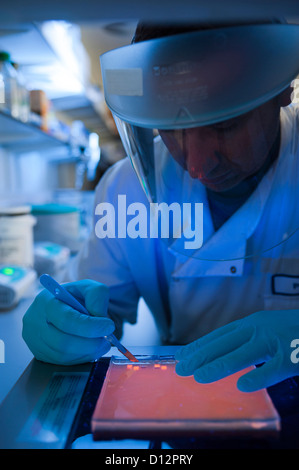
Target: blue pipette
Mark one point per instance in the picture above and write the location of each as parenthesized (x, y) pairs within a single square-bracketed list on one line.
[(64, 296)]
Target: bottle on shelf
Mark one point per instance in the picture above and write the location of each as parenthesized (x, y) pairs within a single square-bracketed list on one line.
[(8, 86), (23, 95), (39, 104)]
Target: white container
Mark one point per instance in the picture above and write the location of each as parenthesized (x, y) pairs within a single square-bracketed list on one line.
[(16, 236), (58, 223)]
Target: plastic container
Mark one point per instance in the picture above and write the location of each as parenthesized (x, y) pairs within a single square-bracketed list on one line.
[(16, 236), (57, 223), (9, 98), (39, 104)]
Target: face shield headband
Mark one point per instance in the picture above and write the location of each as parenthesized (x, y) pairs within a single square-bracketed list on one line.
[(200, 78)]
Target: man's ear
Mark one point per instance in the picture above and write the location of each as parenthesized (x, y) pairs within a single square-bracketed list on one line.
[(285, 97)]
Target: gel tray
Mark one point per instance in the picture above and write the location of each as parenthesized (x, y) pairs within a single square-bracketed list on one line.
[(148, 398)]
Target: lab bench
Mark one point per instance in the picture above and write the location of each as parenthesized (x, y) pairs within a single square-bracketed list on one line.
[(17, 356), (35, 394), (23, 379), (25, 405), (24, 424)]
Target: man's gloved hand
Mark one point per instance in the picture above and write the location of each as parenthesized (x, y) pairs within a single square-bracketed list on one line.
[(263, 337), (56, 333)]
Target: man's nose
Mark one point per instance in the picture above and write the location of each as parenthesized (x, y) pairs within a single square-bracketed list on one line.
[(202, 157)]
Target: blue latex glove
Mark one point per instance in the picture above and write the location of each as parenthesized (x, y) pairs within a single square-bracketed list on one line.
[(263, 337), (56, 333)]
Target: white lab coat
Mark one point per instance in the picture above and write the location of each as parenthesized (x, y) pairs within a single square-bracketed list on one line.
[(189, 297)]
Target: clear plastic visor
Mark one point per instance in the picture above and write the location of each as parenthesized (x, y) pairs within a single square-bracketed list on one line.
[(201, 118)]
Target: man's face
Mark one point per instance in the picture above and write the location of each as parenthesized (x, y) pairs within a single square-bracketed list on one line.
[(224, 154)]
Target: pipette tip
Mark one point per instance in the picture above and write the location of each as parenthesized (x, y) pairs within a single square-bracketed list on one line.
[(130, 356)]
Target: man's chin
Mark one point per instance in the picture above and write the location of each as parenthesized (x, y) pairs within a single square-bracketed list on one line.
[(220, 186)]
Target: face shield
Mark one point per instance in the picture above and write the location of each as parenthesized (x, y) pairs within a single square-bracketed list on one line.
[(199, 115)]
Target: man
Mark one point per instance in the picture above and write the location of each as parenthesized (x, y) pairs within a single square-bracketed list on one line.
[(204, 116)]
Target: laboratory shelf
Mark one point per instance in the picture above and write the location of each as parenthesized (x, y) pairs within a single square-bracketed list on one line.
[(44, 67), (21, 137)]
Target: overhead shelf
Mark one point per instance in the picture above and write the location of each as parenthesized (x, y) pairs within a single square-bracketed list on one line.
[(44, 68), (21, 137)]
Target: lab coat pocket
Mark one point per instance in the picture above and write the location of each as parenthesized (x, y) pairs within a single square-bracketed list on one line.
[(282, 285), (284, 293)]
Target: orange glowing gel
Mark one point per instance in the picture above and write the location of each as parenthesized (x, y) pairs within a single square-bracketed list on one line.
[(152, 398)]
